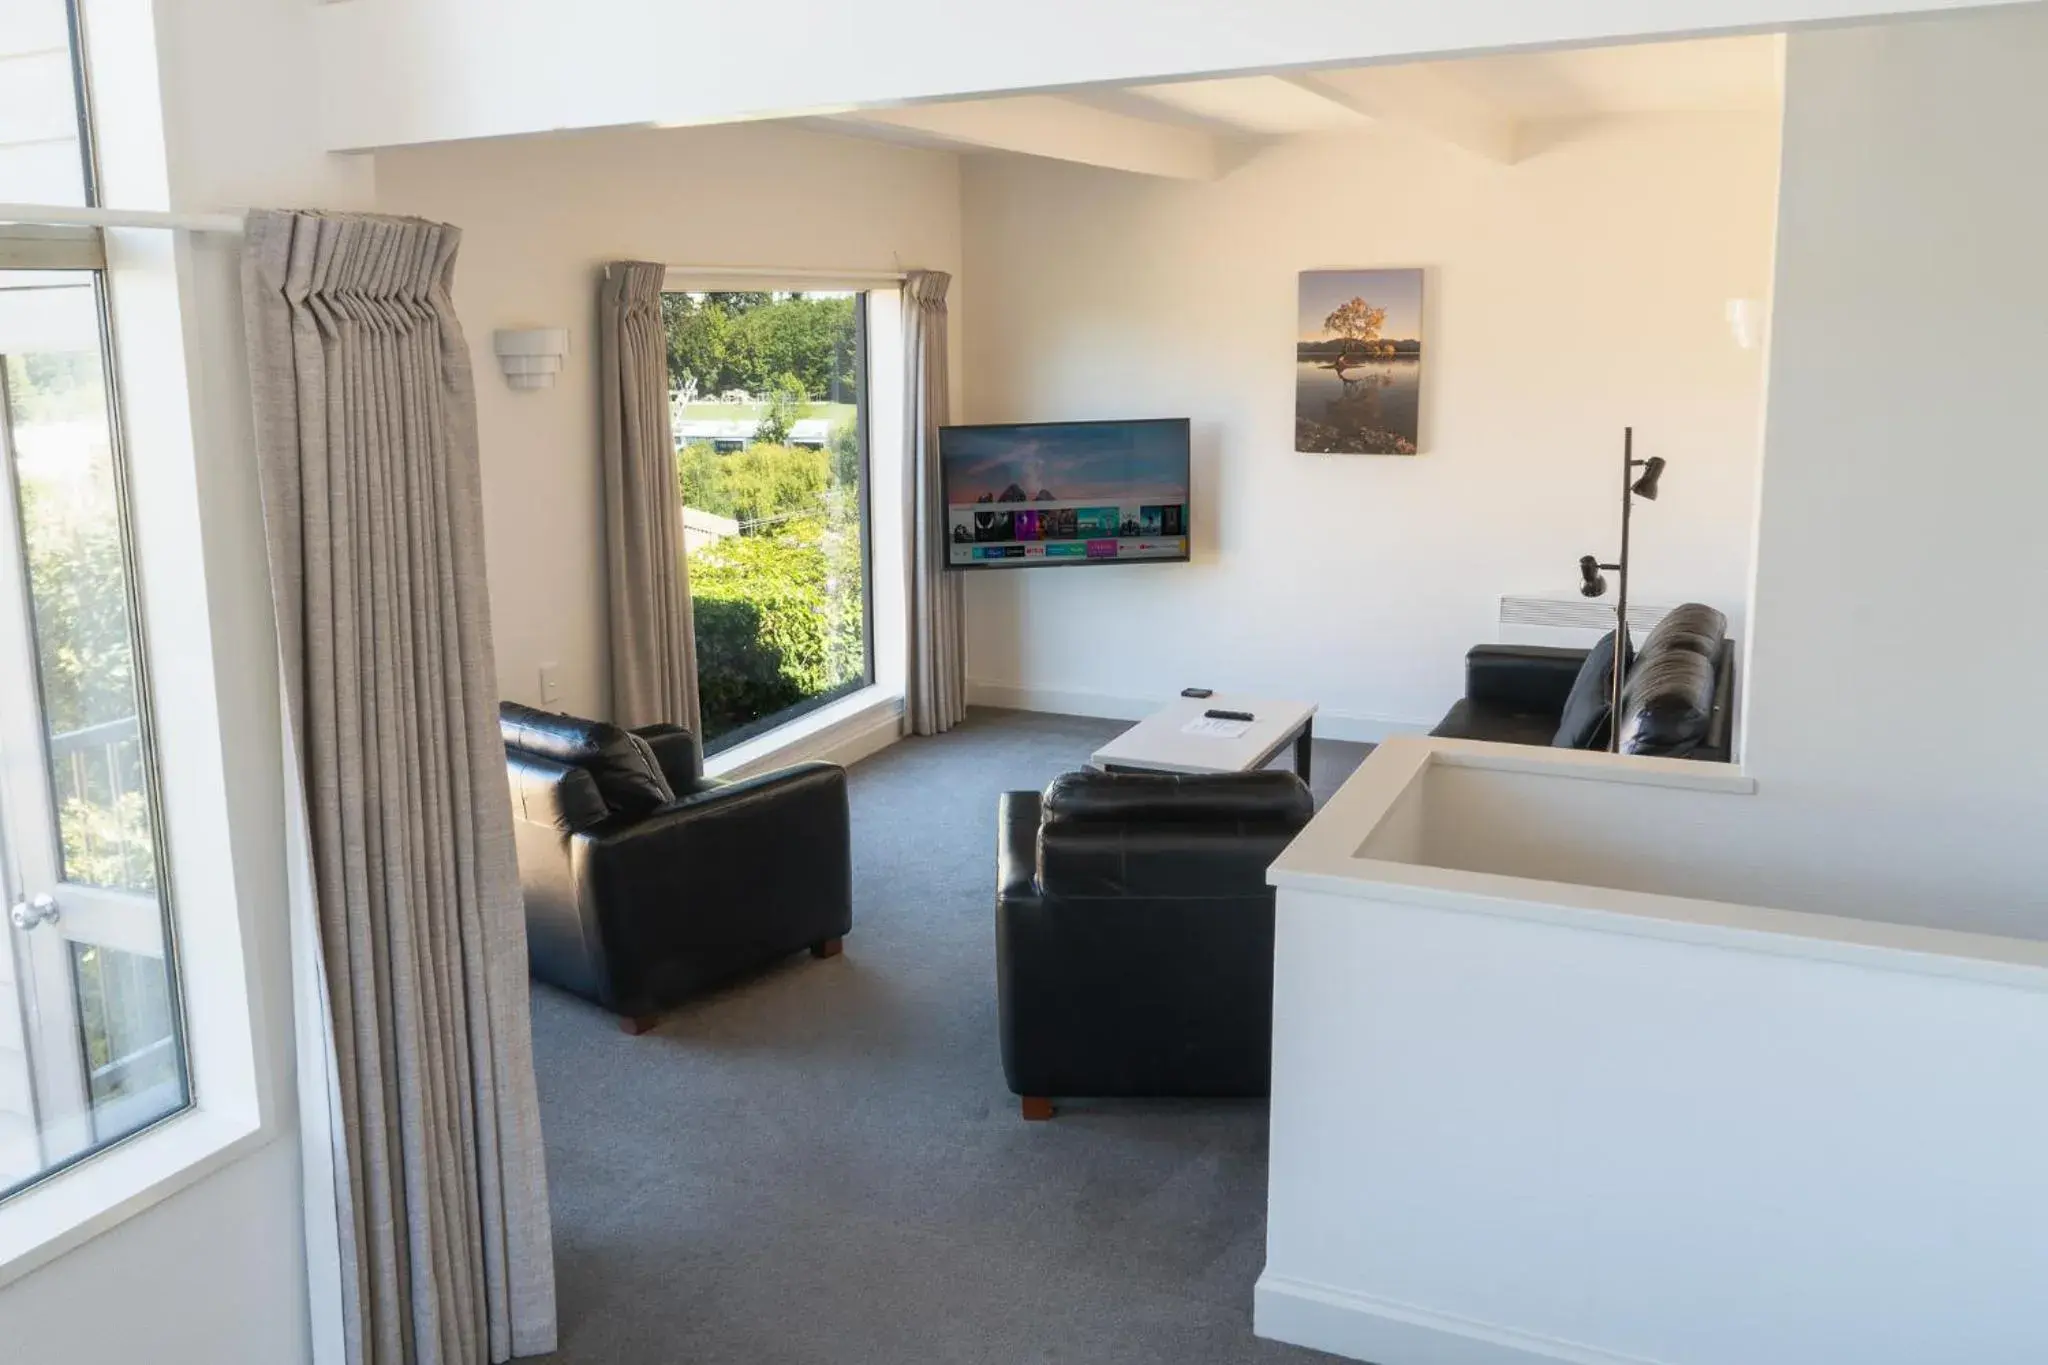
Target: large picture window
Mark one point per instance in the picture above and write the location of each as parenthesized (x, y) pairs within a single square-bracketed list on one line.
[(768, 392)]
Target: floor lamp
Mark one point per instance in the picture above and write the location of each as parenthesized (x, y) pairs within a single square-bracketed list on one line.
[(1593, 583)]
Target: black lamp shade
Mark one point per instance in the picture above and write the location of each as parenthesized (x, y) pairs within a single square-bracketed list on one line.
[(1645, 486), (1592, 582)]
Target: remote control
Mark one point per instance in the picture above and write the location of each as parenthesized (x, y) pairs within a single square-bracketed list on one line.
[(1196, 692), (1214, 714)]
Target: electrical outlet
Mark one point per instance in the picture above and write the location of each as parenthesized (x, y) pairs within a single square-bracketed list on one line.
[(550, 683)]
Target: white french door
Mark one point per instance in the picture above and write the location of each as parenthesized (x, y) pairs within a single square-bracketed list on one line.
[(90, 1046)]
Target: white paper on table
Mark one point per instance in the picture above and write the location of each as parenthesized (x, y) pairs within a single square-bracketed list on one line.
[(1215, 728)]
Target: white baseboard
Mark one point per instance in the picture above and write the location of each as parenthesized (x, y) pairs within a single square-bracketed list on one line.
[(1346, 725), (1052, 701), (835, 735), (1387, 1333)]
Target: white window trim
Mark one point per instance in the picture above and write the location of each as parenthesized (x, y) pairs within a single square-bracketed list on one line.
[(842, 731), (155, 285)]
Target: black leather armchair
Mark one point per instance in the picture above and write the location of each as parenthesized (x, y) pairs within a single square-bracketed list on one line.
[(647, 882), (1134, 933)]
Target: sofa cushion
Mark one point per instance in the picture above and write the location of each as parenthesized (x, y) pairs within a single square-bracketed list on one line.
[(620, 762), (1670, 699), (675, 755), (1585, 722), (557, 795), (1093, 797), (1694, 626), (1524, 679), (1468, 719)]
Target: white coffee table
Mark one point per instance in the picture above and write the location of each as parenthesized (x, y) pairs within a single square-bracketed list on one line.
[(1160, 743)]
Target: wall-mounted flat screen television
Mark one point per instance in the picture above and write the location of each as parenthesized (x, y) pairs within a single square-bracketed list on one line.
[(1035, 493)]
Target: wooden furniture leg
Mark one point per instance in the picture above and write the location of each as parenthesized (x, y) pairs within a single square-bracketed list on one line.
[(829, 947), (1037, 1108)]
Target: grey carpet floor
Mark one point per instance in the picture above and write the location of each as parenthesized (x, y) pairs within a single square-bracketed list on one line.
[(822, 1164)]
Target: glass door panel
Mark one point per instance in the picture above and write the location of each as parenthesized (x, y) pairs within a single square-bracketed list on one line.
[(89, 984)]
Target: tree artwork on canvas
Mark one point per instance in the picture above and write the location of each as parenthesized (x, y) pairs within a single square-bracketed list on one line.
[(1358, 362)]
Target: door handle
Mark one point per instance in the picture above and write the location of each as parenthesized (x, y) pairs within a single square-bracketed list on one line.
[(35, 910)]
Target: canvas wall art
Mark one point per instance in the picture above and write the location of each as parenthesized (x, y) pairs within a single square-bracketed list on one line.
[(1358, 362)]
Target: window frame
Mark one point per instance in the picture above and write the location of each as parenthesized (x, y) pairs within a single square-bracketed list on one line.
[(81, 91), (770, 282), (165, 891), (186, 442)]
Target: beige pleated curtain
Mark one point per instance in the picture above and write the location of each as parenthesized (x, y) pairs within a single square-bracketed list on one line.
[(935, 694), (653, 645), (367, 452)]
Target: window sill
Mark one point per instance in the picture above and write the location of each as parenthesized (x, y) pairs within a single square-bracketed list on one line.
[(45, 1221), (846, 731)]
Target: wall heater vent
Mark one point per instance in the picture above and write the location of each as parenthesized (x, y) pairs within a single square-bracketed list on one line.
[(1569, 619)]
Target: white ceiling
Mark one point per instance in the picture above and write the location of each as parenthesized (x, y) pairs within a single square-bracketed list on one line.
[(1732, 74), (1479, 104), (1268, 105)]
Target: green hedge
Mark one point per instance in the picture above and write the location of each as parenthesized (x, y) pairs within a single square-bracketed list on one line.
[(739, 675), (771, 630)]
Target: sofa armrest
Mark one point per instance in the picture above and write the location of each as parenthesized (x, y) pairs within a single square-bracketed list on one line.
[(1525, 679), (1719, 745), (1016, 846), (551, 802), (675, 749)]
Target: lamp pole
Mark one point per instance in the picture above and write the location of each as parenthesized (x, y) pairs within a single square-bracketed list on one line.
[(1621, 640), (1592, 584)]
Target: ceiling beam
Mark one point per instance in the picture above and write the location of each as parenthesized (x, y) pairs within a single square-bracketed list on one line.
[(1424, 99), (1051, 126)]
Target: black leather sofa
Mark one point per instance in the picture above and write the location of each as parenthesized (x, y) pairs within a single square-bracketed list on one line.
[(647, 882), (1134, 933), (1516, 694)]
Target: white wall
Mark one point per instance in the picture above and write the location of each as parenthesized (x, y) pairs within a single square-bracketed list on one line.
[(1508, 1135), (216, 1272), (213, 1274), (403, 71), (539, 220), (1899, 635), (1523, 1111), (1567, 295)]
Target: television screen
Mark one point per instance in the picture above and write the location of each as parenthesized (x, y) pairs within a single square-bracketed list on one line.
[(1037, 493)]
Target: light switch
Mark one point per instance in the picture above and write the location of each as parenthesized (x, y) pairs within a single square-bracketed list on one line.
[(550, 683)]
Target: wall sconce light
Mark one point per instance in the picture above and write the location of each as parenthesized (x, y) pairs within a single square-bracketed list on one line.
[(1745, 322), (530, 358)]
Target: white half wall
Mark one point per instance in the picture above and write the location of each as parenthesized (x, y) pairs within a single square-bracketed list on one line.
[(1899, 640), (1576, 291), (1536, 1098), (405, 71), (539, 219)]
